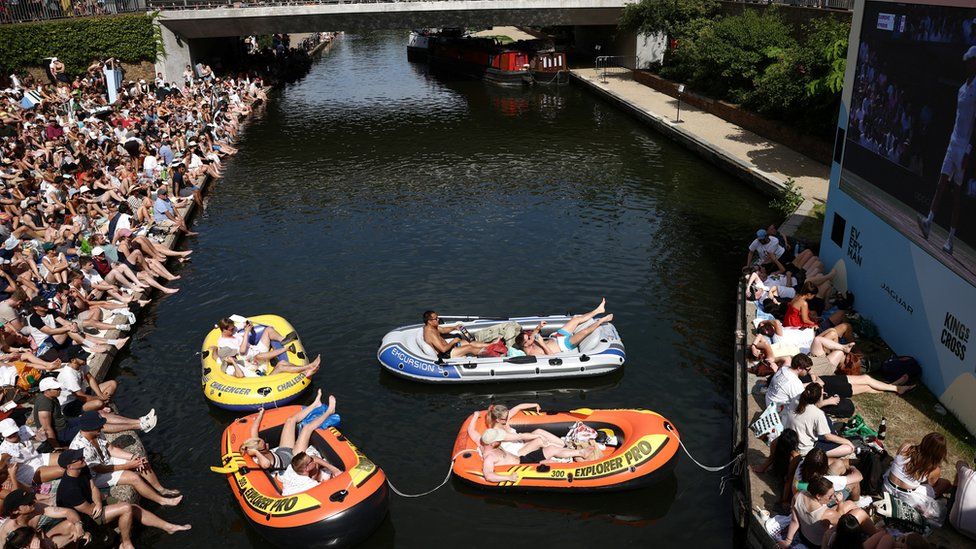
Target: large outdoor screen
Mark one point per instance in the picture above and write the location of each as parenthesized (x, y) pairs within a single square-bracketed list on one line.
[(910, 142)]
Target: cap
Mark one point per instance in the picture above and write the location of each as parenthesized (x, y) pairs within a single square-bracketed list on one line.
[(97, 250), (70, 456), (76, 351), (970, 54), (8, 427), (15, 499), (162, 190), (48, 384), (761, 233), (90, 421), (38, 301), (491, 436)]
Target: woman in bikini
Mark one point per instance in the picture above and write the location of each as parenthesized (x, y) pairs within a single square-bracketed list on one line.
[(564, 339), (497, 417)]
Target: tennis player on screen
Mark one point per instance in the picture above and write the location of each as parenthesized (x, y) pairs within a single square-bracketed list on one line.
[(958, 152)]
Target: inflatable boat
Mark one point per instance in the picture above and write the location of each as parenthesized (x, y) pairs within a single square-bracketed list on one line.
[(250, 393), (404, 352), (339, 512), (645, 451)]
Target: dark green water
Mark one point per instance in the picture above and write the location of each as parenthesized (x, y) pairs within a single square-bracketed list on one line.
[(370, 191)]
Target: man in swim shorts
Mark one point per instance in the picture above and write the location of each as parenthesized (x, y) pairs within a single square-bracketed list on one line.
[(447, 348)]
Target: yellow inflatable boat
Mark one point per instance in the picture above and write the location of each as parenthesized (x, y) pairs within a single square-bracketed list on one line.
[(250, 393)]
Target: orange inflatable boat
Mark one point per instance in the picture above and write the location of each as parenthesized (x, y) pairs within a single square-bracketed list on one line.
[(642, 449), (341, 511)]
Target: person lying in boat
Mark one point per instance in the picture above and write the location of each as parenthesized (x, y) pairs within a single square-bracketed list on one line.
[(246, 352), (307, 470), (448, 348), (535, 451), (564, 339), (497, 417), (277, 459)]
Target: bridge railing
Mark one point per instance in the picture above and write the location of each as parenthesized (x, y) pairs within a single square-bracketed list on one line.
[(208, 4), (822, 4), (19, 11)]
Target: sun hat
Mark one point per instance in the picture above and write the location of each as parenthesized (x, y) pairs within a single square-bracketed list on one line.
[(491, 436), (8, 427), (49, 384), (70, 456), (90, 421)]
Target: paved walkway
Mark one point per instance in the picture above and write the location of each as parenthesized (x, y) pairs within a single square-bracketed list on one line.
[(766, 163)]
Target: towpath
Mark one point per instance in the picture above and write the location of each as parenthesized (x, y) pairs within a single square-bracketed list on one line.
[(767, 164)]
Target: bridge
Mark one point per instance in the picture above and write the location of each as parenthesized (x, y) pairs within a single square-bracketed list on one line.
[(189, 26)]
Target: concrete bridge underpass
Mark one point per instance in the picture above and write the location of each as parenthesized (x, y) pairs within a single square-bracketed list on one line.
[(189, 31)]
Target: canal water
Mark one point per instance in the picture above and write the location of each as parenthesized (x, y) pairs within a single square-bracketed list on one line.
[(371, 191)]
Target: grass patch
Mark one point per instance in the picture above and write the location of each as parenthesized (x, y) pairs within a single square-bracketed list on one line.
[(811, 228), (913, 416)]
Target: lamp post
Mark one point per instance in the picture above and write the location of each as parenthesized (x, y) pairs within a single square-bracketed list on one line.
[(681, 90)]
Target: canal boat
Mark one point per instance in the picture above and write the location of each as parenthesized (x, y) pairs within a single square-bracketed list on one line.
[(640, 448), (547, 64), (339, 512), (479, 58), (403, 352), (250, 393), (418, 44)]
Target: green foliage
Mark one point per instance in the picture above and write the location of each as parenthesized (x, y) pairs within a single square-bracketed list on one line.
[(668, 16), (729, 55), (753, 59), (77, 42), (788, 200)]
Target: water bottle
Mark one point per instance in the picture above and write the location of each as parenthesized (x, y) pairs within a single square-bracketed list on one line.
[(883, 428)]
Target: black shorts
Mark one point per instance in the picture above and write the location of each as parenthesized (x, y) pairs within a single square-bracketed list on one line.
[(535, 456), (73, 409), (837, 385)]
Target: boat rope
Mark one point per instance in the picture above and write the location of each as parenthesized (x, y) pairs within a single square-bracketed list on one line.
[(432, 490), (692, 458)]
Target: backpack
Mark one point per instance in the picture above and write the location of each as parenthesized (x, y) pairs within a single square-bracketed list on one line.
[(897, 366), (873, 466)]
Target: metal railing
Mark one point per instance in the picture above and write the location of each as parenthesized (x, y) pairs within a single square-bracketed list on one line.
[(607, 65), (822, 4), (19, 11)]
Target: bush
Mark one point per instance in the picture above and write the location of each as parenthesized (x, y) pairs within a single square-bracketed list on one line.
[(77, 42), (668, 16), (788, 200), (803, 85), (732, 53)]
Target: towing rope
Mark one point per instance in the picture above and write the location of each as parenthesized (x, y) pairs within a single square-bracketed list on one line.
[(432, 490), (736, 462)]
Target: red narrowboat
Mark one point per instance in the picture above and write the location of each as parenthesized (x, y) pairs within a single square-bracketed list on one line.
[(480, 58)]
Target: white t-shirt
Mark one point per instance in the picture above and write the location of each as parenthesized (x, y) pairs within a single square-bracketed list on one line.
[(23, 451), (70, 380), (809, 426), (784, 387), (150, 164), (762, 250), (294, 483), (8, 375)]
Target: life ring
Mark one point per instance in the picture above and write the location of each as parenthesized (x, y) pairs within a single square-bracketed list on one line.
[(339, 512), (646, 452), (250, 393)]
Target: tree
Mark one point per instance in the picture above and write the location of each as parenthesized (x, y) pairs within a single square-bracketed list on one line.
[(668, 16)]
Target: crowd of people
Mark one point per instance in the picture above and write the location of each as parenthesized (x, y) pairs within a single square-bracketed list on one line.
[(92, 186), (805, 347), (887, 118)]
